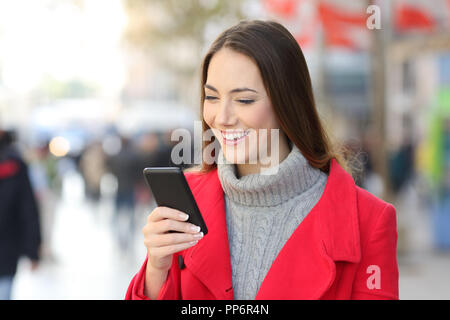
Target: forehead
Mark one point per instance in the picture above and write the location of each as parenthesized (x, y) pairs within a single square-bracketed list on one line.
[(229, 69)]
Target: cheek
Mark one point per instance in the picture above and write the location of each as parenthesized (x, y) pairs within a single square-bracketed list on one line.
[(207, 116), (261, 117), (264, 118)]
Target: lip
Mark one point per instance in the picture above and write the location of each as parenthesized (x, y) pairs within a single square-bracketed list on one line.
[(233, 142)]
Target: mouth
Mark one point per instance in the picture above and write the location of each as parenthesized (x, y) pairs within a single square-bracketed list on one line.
[(233, 137)]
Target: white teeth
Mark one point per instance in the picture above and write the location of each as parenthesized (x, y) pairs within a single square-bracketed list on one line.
[(234, 136)]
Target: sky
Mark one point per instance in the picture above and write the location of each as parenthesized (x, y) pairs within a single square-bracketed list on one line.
[(61, 40)]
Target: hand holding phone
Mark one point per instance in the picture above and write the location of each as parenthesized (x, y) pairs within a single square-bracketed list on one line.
[(170, 189), (176, 223), (161, 245)]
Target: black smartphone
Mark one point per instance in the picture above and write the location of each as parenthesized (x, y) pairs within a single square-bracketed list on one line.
[(170, 189)]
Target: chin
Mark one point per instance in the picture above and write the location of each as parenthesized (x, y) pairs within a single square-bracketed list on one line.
[(238, 158)]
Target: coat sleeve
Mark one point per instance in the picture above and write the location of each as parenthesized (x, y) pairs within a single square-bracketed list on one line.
[(377, 274), (170, 289)]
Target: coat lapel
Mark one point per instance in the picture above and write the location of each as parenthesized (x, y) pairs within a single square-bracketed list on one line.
[(305, 267), (210, 259), (302, 269)]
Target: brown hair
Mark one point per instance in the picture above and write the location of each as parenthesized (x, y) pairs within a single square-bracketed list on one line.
[(287, 81)]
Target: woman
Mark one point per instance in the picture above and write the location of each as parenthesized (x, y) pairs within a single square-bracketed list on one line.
[(305, 232)]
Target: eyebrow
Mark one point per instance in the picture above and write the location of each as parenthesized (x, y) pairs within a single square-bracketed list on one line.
[(231, 91)]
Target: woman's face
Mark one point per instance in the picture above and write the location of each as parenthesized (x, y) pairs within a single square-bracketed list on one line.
[(237, 102)]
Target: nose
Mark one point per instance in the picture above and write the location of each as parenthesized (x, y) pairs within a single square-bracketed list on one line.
[(225, 115)]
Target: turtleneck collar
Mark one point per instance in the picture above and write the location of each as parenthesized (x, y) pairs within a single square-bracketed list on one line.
[(295, 175)]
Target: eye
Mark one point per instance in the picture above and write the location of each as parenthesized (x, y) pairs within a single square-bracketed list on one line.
[(210, 98), (246, 101)]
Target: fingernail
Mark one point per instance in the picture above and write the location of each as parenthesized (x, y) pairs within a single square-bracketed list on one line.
[(198, 235), (195, 228), (184, 216), (193, 242)]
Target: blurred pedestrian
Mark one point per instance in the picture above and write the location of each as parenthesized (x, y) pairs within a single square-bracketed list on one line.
[(19, 215), (92, 168), (401, 160), (164, 155), (148, 148), (126, 167), (46, 183)]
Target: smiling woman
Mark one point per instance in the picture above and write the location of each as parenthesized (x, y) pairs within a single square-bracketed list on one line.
[(304, 232), (255, 76)]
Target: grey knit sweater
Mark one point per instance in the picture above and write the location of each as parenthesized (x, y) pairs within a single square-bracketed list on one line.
[(262, 212)]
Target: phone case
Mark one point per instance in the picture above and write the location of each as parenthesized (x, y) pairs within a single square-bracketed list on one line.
[(170, 189)]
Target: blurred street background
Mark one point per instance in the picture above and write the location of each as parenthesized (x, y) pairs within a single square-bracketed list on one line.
[(90, 92)]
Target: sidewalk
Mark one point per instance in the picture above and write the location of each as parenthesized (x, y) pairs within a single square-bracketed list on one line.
[(424, 271), (87, 262)]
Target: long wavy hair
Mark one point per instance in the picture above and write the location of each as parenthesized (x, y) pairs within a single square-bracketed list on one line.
[(287, 81)]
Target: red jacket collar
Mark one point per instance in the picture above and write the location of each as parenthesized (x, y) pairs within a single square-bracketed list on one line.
[(328, 233)]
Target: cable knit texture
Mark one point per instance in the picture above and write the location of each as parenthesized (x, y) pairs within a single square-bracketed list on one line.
[(262, 212)]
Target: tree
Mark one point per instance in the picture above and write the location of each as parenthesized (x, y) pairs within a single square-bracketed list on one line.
[(175, 33)]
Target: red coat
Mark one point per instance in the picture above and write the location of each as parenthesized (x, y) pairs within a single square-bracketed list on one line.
[(345, 248)]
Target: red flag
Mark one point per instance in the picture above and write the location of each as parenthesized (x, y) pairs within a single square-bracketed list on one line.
[(331, 14), (335, 37), (339, 27), (408, 17), (284, 8)]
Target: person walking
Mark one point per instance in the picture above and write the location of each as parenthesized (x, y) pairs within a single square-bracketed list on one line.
[(20, 233)]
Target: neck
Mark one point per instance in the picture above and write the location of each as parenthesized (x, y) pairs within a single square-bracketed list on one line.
[(294, 176)]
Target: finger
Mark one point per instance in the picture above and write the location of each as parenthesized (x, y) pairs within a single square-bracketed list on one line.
[(168, 239), (162, 212), (168, 250), (165, 225)]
